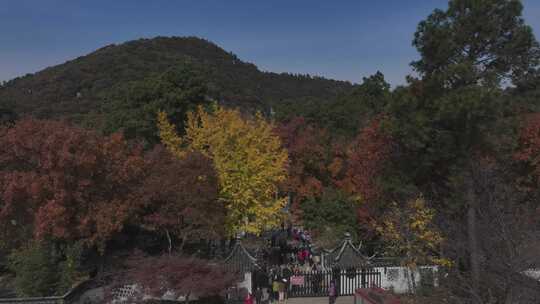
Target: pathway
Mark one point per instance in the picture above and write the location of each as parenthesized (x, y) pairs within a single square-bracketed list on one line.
[(321, 300)]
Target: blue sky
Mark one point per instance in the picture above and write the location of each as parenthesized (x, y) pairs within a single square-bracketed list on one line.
[(336, 39)]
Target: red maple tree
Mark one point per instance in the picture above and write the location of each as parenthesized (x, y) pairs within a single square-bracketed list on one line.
[(63, 182), (363, 165), (180, 197), (309, 153), (66, 182), (154, 276)]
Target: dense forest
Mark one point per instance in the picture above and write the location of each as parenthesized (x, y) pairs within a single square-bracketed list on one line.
[(105, 151), (82, 85)]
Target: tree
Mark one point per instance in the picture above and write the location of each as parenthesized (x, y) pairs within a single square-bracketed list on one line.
[(184, 276), (366, 156), (410, 231), (507, 227), (249, 160), (476, 42), (35, 269), (180, 197), (62, 182), (7, 116), (363, 172), (448, 117), (309, 156), (132, 108), (528, 152), (329, 216), (345, 115)]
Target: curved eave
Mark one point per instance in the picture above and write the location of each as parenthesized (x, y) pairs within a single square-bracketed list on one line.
[(240, 260)]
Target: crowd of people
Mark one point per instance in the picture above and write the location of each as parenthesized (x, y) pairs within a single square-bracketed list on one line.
[(290, 254)]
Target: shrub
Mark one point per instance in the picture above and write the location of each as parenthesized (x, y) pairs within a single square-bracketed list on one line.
[(35, 271)]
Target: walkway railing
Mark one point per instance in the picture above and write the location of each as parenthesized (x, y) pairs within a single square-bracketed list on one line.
[(317, 283)]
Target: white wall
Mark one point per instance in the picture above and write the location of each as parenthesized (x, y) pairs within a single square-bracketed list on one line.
[(246, 283), (397, 278)]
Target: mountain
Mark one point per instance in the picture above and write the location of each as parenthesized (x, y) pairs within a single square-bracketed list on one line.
[(77, 87)]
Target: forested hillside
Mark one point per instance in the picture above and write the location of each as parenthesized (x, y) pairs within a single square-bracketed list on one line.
[(79, 86)]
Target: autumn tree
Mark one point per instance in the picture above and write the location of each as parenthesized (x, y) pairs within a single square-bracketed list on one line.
[(179, 197), (62, 182), (362, 171), (309, 152), (410, 231), (248, 157), (528, 151), (187, 277), (366, 158)]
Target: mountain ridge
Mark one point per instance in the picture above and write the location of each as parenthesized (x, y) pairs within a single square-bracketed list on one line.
[(76, 87)]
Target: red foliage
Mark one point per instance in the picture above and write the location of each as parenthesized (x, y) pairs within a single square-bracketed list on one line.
[(308, 158), (528, 152), (66, 182), (182, 275), (180, 196), (366, 157), (362, 167)]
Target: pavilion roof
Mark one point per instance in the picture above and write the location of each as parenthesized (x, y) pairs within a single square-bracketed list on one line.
[(240, 260), (346, 255)]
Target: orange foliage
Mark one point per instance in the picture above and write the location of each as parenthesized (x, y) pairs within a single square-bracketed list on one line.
[(308, 157), (65, 182), (366, 157)]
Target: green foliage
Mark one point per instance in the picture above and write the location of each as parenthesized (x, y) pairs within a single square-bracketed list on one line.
[(476, 42), (330, 215), (133, 107), (70, 268), (35, 270), (439, 133), (76, 88), (459, 107), (43, 269), (345, 115), (7, 115)]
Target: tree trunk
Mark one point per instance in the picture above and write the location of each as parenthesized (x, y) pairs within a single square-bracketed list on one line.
[(182, 243), (169, 240), (413, 282), (473, 239)]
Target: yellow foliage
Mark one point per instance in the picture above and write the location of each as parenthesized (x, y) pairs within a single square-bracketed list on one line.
[(168, 135), (248, 157), (411, 230)]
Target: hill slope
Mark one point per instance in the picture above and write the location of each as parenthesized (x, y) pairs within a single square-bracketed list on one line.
[(77, 87)]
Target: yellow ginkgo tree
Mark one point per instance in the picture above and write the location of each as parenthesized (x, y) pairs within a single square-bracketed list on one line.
[(410, 231), (248, 157)]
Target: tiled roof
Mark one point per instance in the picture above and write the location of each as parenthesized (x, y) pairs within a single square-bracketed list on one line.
[(346, 255), (240, 260)]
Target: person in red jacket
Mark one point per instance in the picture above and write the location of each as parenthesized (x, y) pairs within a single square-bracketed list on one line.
[(248, 299)]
